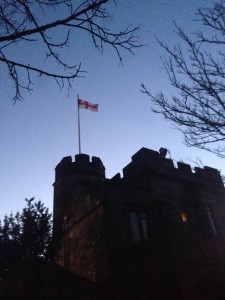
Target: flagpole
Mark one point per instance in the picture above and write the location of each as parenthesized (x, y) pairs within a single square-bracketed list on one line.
[(78, 113)]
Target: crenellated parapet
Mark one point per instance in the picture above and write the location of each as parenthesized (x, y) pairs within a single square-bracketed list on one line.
[(82, 166), (147, 160)]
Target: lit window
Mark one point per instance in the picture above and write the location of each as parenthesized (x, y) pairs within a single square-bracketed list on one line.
[(184, 217), (139, 226)]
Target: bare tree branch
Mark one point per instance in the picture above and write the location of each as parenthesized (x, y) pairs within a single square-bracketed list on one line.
[(197, 73), (33, 22)]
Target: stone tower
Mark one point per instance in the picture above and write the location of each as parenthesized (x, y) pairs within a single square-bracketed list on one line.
[(78, 214), (152, 233)]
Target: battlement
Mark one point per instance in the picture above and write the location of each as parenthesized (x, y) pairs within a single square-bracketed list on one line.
[(82, 165), (145, 160), (153, 161)]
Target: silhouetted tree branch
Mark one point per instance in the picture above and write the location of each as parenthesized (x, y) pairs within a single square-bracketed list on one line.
[(38, 22), (197, 73)]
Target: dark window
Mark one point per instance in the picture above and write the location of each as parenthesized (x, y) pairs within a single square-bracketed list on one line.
[(211, 220), (139, 226), (207, 222)]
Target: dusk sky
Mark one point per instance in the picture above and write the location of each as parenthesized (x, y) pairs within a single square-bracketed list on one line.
[(39, 131)]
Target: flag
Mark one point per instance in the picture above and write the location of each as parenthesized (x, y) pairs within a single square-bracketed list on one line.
[(87, 105)]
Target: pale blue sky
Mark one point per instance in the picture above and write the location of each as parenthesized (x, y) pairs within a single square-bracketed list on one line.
[(39, 131)]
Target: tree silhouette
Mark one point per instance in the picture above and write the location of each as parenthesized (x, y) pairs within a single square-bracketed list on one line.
[(26, 235), (197, 73), (48, 24)]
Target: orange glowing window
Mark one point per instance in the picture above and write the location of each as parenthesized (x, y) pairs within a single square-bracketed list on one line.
[(184, 217)]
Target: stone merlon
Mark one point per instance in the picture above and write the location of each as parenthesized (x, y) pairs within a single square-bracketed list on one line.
[(151, 161), (81, 164)]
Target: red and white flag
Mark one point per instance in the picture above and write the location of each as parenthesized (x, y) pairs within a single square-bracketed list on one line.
[(87, 105)]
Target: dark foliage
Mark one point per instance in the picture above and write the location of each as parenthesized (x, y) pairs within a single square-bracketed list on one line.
[(26, 235)]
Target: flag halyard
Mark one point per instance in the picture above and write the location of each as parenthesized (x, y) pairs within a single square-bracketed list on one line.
[(87, 105)]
